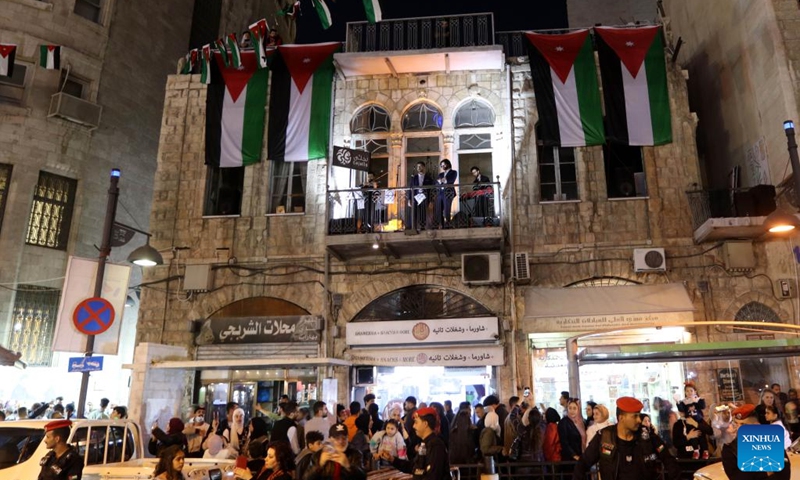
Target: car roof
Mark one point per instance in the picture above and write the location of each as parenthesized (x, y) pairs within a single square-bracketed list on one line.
[(40, 423)]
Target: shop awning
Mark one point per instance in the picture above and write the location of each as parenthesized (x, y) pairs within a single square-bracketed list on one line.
[(11, 359), (251, 363), (599, 308), (687, 352)]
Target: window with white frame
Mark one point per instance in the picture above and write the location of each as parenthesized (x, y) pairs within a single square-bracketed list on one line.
[(288, 187), (558, 173), (370, 127), (419, 121), (474, 123)]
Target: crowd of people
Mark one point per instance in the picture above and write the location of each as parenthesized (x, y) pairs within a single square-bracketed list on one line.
[(56, 409)]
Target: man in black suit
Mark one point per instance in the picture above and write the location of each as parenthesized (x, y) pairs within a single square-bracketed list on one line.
[(419, 208), (444, 196)]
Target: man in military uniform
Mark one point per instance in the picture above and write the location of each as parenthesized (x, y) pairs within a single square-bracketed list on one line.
[(62, 462), (746, 415), (432, 461), (625, 451)]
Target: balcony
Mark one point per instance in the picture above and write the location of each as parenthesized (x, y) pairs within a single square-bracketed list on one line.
[(515, 44), (405, 222), (730, 213), (421, 45)]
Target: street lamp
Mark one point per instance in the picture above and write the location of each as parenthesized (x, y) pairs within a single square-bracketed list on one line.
[(105, 251), (778, 221)]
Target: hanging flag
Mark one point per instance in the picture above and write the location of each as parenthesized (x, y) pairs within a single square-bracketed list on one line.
[(291, 10), (50, 57), (7, 54), (567, 93), (258, 37), (373, 9), (236, 100), (220, 45), (300, 102), (324, 13), (634, 85), (205, 65), (190, 60), (233, 50)]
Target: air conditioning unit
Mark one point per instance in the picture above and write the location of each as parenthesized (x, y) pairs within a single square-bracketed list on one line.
[(364, 376), (75, 110), (481, 268), (522, 267), (649, 260)]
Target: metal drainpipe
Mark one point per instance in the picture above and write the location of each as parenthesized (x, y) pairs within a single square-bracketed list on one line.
[(573, 370), (511, 186)]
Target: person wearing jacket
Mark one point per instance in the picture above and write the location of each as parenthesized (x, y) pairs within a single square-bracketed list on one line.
[(337, 459), (572, 431), (173, 436), (552, 443), (490, 436), (431, 462)]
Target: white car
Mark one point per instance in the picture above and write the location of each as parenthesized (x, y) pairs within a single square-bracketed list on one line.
[(111, 449)]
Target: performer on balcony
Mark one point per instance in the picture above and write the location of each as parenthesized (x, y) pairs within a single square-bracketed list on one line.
[(420, 197)]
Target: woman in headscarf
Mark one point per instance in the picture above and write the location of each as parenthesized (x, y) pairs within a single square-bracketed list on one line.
[(462, 441), (490, 436), (572, 431), (236, 435), (257, 433), (552, 443), (601, 421), (173, 436)]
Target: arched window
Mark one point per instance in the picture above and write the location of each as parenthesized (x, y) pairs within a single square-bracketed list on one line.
[(602, 282), (474, 113), (370, 119), (757, 312), (422, 117), (422, 302)]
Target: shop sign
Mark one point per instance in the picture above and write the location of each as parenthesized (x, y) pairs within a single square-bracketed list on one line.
[(590, 323), (227, 330), (729, 384), (352, 159), (446, 330), (465, 356)]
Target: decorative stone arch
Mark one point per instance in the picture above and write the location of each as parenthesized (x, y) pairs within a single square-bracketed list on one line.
[(768, 301), (365, 105), (404, 304), (409, 100), (604, 281), (356, 302), (299, 295), (465, 95), (249, 307)]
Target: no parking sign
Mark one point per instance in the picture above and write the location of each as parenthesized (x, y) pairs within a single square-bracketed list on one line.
[(93, 316)]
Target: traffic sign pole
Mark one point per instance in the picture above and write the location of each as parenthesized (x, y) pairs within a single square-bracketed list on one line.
[(105, 250)]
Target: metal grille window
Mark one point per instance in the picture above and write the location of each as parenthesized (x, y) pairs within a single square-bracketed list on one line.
[(51, 212), (474, 114), (369, 119), (33, 323), (288, 187), (756, 312), (422, 117), (89, 9), (422, 302), (5, 181)]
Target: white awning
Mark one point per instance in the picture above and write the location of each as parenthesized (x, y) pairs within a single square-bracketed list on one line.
[(602, 308), (251, 363)]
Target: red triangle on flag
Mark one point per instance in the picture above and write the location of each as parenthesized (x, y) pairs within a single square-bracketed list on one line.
[(51, 47), (303, 60), (5, 50), (630, 44), (559, 50), (236, 78)]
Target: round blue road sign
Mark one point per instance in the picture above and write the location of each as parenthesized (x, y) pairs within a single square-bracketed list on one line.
[(93, 316)]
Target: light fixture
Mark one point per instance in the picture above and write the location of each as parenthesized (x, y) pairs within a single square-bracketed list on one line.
[(375, 244), (780, 222), (146, 256)]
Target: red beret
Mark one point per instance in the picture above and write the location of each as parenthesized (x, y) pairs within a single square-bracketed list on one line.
[(629, 405), (740, 413), (56, 424), (427, 411)]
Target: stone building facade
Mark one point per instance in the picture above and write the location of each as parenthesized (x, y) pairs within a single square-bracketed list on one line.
[(261, 263)]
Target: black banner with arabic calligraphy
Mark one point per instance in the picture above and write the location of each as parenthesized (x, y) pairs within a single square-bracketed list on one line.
[(233, 330), (352, 159)]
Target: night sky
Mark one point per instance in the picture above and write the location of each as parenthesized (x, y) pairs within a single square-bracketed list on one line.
[(508, 14)]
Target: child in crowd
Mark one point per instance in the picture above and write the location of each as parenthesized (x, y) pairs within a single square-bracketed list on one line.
[(692, 399), (388, 440)]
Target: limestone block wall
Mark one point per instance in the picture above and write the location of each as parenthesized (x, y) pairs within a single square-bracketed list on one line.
[(586, 13)]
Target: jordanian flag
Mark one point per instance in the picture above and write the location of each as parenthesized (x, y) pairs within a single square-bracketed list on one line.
[(7, 54), (50, 57), (233, 50), (235, 105), (205, 64), (300, 102), (567, 93), (258, 37), (373, 9), (324, 13), (634, 85)]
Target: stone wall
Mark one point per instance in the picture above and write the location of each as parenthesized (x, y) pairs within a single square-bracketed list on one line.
[(586, 13)]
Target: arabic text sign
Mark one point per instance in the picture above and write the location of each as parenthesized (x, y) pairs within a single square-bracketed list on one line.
[(352, 159), (260, 330), (85, 364), (473, 356), (447, 330), (589, 323)]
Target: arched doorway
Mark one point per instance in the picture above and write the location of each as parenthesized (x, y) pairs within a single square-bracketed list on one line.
[(759, 373), (430, 342)]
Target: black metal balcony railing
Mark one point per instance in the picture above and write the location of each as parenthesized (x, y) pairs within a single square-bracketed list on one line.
[(470, 30), (515, 44), (420, 208), (758, 201)]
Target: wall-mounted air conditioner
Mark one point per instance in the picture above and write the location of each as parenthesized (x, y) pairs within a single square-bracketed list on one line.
[(481, 268), (649, 260), (522, 267), (75, 109)]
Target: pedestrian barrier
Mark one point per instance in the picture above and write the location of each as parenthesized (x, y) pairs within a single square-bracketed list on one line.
[(559, 470)]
